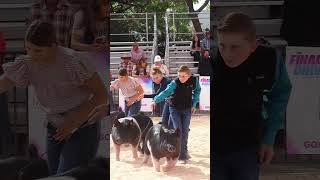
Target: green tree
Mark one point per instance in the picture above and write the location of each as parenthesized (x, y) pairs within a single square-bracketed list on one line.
[(128, 7)]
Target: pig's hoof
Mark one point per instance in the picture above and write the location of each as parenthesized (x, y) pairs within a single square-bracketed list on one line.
[(157, 169), (117, 159), (165, 168)]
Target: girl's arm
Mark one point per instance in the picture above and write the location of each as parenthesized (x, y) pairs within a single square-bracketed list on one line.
[(138, 96), (77, 118)]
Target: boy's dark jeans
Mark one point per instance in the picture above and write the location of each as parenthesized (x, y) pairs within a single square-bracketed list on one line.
[(181, 119), (241, 165), (74, 151)]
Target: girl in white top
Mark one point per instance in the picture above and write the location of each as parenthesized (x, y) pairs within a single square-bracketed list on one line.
[(131, 90), (68, 89)]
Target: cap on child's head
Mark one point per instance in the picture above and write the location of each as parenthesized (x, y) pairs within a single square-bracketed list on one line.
[(157, 58), (207, 30), (126, 56)]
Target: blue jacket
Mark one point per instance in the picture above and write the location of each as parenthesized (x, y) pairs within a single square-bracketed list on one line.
[(275, 102), (170, 89)]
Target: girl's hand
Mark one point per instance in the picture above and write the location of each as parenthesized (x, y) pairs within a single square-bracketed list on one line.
[(193, 110), (153, 105), (65, 130), (130, 101)]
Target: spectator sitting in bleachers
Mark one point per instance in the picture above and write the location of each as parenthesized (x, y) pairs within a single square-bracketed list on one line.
[(136, 53), (90, 27), (162, 67), (126, 64), (58, 12), (142, 68)]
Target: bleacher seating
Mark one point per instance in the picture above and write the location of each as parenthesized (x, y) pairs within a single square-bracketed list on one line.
[(267, 15), (117, 49)]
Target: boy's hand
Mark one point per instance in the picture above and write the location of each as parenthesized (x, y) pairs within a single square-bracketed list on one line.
[(193, 110), (153, 105), (266, 154)]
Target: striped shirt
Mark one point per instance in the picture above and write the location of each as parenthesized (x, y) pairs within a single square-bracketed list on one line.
[(57, 85)]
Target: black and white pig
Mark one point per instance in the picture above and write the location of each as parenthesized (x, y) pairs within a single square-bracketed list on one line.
[(162, 142), (130, 130), (27, 167)]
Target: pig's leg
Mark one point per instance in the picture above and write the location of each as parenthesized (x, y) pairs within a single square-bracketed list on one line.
[(156, 163), (168, 161), (135, 152), (174, 162), (117, 150), (145, 158), (141, 149)]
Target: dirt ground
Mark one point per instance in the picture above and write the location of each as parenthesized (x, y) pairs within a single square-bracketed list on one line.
[(197, 168)]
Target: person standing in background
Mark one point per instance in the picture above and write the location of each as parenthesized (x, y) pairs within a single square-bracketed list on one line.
[(90, 27), (195, 49), (57, 12)]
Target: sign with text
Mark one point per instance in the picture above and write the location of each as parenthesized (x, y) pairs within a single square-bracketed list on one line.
[(204, 102), (303, 115)]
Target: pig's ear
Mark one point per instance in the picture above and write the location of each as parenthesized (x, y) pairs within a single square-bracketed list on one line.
[(116, 123), (177, 132), (162, 130)]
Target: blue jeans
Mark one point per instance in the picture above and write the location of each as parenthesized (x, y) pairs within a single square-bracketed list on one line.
[(241, 165), (74, 151), (181, 119), (133, 109), (165, 119)]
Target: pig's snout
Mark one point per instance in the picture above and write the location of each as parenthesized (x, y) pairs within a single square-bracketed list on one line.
[(171, 148)]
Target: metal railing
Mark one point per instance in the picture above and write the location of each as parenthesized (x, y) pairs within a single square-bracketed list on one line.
[(166, 56), (144, 18), (155, 38)]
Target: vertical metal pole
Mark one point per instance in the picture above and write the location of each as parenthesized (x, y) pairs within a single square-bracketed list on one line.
[(174, 27), (147, 32)]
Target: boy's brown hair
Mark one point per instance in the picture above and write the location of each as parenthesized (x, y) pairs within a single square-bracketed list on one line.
[(156, 70), (237, 22), (184, 69)]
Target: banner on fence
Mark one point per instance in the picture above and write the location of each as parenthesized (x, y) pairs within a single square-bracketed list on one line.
[(303, 111)]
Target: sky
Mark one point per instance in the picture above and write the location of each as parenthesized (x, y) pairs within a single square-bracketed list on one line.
[(196, 6)]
